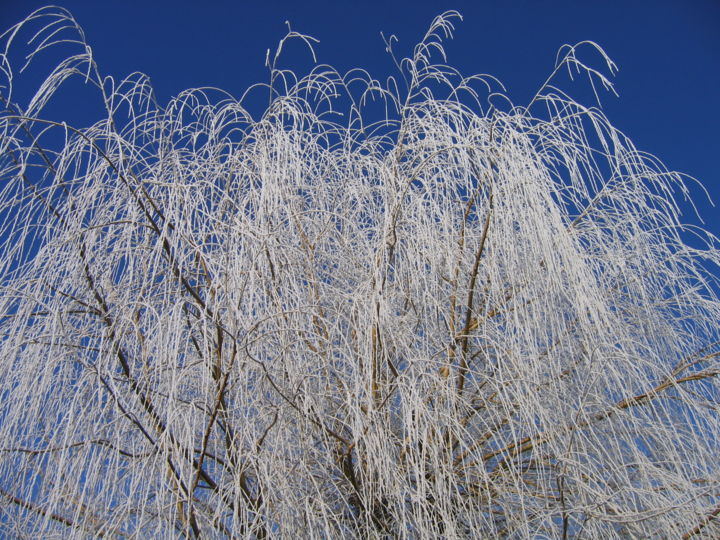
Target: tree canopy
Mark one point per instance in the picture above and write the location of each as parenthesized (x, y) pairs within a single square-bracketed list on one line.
[(377, 309)]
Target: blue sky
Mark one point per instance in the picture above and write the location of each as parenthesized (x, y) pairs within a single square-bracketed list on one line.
[(668, 53)]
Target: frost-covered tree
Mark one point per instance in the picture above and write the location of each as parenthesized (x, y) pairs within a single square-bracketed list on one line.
[(434, 315)]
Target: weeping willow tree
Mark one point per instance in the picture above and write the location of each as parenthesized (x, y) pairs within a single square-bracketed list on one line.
[(372, 311)]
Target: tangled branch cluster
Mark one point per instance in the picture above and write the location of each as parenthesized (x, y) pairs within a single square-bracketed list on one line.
[(457, 321)]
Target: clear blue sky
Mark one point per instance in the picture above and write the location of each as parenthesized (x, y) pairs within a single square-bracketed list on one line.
[(668, 53)]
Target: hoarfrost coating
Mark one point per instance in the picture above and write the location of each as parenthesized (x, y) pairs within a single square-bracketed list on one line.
[(458, 320)]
